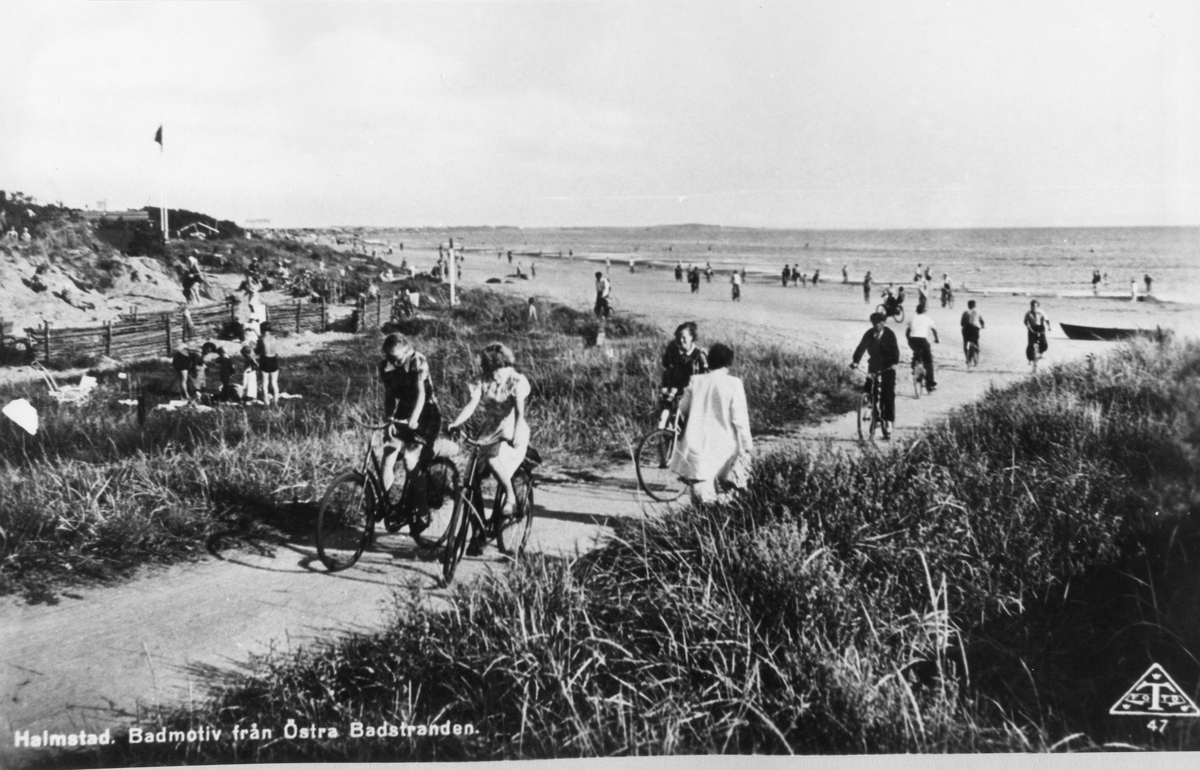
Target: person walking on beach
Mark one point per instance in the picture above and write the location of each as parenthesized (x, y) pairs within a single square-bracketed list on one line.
[(500, 394), (678, 270), (918, 331), (681, 359), (796, 274), (1036, 324), (1132, 289), (972, 324), (787, 273), (607, 264), (1148, 280), (867, 287), (736, 286), (883, 353), (708, 272), (268, 365), (631, 265), (603, 290), (845, 274), (411, 408), (1095, 282), (716, 446), (816, 276), (694, 279)]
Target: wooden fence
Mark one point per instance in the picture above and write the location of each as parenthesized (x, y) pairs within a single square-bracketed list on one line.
[(157, 334)]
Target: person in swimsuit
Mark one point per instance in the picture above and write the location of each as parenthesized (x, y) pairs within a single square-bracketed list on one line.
[(1036, 324), (268, 364)]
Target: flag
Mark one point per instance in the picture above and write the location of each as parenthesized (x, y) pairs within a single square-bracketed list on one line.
[(158, 136)]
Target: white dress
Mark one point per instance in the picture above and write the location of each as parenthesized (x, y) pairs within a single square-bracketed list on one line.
[(716, 443), (498, 394)]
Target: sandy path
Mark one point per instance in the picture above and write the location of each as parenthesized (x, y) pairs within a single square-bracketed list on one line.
[(104, 656)]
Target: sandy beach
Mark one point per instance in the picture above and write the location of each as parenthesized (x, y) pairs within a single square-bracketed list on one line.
[(832, 318)]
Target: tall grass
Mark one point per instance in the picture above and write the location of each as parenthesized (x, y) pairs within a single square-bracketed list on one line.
[(96, 494), (908, 600)]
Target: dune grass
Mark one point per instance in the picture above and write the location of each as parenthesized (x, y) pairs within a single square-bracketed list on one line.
[(94, 494), (987, 586)]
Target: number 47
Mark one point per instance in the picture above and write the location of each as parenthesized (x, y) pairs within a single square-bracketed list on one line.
[(1157, 726)]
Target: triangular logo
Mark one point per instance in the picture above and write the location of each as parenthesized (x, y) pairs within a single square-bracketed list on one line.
[(1155, 695)]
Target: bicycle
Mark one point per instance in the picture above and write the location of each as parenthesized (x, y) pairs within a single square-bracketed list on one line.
[(972, 354), (402, 306), (870, 417), (652, 456), (356, 501), (511, 533), (947, 298), (896, 313), (918, 374)]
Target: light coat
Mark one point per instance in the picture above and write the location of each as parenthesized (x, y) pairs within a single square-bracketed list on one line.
[(716, 443)]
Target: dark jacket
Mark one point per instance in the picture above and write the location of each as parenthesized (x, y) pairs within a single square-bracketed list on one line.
[(881, 353)]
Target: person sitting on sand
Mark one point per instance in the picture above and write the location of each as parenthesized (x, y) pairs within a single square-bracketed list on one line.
[(883, 353), (500, 393), (411, 407), (972, 324), (716, 446), (680, 360), (1036, 324)]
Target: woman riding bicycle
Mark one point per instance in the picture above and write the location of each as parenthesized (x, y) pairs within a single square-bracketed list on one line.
[(504, 433), (680, 361), (409, 402)]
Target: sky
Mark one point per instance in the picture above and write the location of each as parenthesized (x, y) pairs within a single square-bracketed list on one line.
[(793, 114)]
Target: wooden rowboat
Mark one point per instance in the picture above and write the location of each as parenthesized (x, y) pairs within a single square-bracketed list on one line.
[(1106, 333)]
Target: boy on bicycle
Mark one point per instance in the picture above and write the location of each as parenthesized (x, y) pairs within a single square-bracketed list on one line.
[(883, 353), (410, 405), (680, 361)]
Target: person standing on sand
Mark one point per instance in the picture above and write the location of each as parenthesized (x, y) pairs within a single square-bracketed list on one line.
[(603, 290), (867, 287), (787, 273), (972, 324), (1148, 280), (1132, 289), (918, 331), (845, 274), (531, 314), (796, 274), (532, 270), (607, 264), (694, 279), (883, 353), (735, 282), (716, 446), (631, 265), (1095, 282), (678, 270), (268, 365), (1036, 325), (816, 277), (249, 374), (708, 272)]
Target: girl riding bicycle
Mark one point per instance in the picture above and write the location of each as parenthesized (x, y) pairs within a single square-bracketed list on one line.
[(504, 433), (408, 401)]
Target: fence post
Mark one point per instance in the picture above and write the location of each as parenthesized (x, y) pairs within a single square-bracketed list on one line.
[(324, 316), (47, 341), (108, 338), (170, 347), (297, 316), (379, 309)]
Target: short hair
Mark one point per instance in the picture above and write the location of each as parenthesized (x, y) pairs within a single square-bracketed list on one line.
[(599, 274), (496, 355), (971, 303), (265, 327), (391, 342), (210, 347), (921, 307), (720, 356), (689, 325), (877, 317)]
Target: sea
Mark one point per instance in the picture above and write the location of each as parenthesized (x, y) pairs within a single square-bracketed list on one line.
[(1032, 261)]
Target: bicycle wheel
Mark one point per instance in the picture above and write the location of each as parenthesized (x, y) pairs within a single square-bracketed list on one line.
[(650, 459), (512, 532), (864, 416), (972, 355), (459, 532), (345, 521), (899, 316), (442, 486)]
